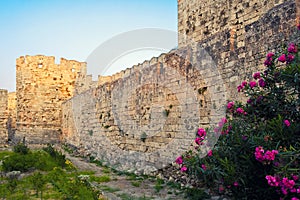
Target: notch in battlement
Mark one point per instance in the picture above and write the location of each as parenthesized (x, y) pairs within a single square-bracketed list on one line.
[(42, 62), (3, 91), (3, 94)]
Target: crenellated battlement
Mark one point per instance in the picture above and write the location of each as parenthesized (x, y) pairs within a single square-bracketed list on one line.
[(42, 62), (128, 71)]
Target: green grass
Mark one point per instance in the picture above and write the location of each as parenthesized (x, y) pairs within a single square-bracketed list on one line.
[(195, 194), (100, 179), (5, 153), (109, 189), (159, 185), (125, 196), (173, 185), (49, 177), (87, 172), (106, 170), (136, 183), (131, 177)]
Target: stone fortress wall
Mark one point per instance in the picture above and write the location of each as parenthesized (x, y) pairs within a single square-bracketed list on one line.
[(42, 86), (141, 114), (199, 20), (249, 29), (3, 115), (118, 120), (12, 115), (142, 118), (8, 102)]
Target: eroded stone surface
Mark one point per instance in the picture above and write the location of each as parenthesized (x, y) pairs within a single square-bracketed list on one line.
[(42, 86), (3, 116)]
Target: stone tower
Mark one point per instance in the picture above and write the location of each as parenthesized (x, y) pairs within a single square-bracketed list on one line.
[(42, 86), (3, 116)]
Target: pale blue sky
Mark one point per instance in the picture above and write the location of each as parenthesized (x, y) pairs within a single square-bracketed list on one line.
[(72, 28)]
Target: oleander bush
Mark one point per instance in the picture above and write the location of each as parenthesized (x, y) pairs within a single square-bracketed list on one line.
[(258, 151)]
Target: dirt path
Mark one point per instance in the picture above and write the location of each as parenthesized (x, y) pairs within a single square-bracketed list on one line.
[(128, 187)]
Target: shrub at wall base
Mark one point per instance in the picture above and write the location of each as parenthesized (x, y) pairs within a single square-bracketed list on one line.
[(257, 155)]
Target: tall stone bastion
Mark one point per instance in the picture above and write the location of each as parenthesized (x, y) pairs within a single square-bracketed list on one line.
[(142, 118)]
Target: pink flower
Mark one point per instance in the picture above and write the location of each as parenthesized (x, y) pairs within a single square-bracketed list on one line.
[(222, 122), (284, 191), (244, 83), (268, 62), (236, 184), (273, 181), (290, 58), (203, 167), (210, 153), (183, 169), (292, 48), (239, 88), (259, 153), (269, 59), (240, 110), (179, 160), (221, 189), (198, 141), (288, 183), (295, 177), (282, 58), (225, 132), (294, 198), (252, 84), (201, 132), (256, 75), (261, 156), (230, 105), (270, 155), (270, 55), (287, 122), (261, 82)]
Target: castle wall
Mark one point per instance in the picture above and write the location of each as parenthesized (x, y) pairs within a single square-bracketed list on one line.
[(3, 116), (199, 20), (84, 82), (42, 86), (143, 117), (239, 45), (12, 115)]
